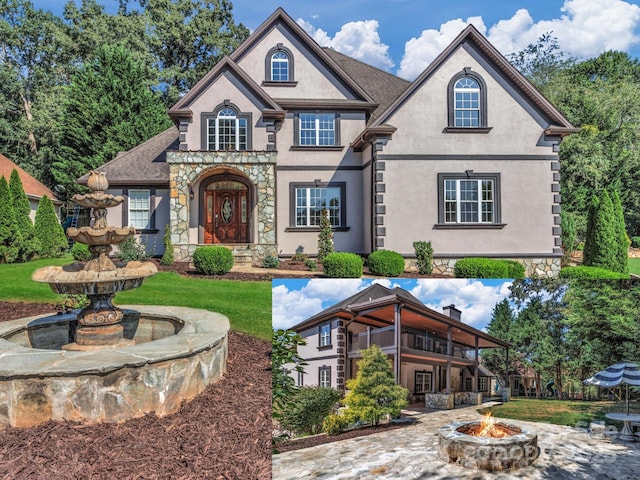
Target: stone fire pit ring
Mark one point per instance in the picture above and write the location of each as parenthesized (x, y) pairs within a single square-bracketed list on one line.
[(183, 351), (485, 453)]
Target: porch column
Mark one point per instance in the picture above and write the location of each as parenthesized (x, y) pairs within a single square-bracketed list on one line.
[(449, 352), (506, 376), (368, 336), (475, 371), (397, 341)]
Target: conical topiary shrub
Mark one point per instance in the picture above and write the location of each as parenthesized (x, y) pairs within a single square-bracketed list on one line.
[(53, 241)]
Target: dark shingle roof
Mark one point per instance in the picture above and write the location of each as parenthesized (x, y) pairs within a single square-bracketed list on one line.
[(383, 87), (144, 164)]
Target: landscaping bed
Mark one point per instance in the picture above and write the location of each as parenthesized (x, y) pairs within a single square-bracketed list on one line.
[(222, 434)]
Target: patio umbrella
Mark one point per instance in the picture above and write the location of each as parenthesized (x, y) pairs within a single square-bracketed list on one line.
[(616, 374)]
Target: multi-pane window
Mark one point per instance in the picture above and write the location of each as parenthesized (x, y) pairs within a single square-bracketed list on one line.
[(469, 201), (325, 377), (467, 103), (317, 129), (325, 335), (227, 131), (311, 201), (423, 382), (140, 209), (483, 384), (280, 67)]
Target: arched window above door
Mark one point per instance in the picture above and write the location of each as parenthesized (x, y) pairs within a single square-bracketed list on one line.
[(226, 129)]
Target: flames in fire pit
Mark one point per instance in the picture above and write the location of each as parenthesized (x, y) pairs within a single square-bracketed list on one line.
[(487, 445)]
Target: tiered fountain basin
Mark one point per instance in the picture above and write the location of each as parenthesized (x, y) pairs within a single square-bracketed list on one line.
[(457, 443), (178, 352)]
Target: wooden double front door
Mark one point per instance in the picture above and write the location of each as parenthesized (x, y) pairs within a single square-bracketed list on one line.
[(226, 216)]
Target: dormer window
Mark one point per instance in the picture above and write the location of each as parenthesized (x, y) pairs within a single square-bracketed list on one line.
[(226, 129), (279, 71), (280, 67)]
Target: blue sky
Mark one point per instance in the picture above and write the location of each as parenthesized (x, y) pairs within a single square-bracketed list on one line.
[(403, 36), (295, 300)]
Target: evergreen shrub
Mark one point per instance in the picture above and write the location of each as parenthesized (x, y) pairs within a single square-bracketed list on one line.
[(386, 263), (167, 256), (213, 260), (53, 241), (424, 257), (131, 250), (478, 267), (308, 408), (334, 424), (342, 265), (635, 242), (595, 273), (270, 261), (80, 252), (514, 269)]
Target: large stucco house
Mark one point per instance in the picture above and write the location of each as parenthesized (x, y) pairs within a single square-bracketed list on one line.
[(436, 356), (465, 156)]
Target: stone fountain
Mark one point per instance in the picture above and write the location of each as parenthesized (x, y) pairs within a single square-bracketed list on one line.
[(99, 324), (105, 363)]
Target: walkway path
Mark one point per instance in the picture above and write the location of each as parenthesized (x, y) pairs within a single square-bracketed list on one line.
[(411, 453)]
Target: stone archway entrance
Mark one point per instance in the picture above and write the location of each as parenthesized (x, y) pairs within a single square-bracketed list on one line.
[(226, 212)]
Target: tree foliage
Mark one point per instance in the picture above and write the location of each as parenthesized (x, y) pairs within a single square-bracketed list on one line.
[(110, 107), (308, 408), (29, 245), (284, 361), (53, 241), (501, 326), (374, 392), (10, 238)]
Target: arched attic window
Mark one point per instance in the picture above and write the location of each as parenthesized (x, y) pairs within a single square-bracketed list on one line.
[(467, 98), (279, 66)]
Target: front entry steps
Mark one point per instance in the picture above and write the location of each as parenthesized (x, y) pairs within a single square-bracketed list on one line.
[(243, 253)]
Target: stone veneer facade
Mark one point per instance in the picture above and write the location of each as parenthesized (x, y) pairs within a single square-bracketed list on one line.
[(186, 168)]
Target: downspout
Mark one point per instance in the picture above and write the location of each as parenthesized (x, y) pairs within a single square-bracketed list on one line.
[(397, 312)]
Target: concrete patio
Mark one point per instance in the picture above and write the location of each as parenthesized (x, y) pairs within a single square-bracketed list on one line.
[(412, 453)]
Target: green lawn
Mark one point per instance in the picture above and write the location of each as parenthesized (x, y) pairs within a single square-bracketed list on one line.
[(634, 265), (558, 412), (247, 304)]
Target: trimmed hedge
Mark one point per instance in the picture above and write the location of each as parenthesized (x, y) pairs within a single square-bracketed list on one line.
[(213, 260), (424, 257), (386, 263), (342, 265), (514, 269), (635, 242), (595, 273), (478, 267)]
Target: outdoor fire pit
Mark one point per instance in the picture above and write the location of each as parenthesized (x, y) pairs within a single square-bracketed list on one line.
[(487, 445)]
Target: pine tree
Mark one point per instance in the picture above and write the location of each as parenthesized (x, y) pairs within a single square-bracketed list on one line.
[(22, 209), (374, 392), (325, 237), (601, 240), (53, 241), (10, 238), (500, 326), (622, 241)]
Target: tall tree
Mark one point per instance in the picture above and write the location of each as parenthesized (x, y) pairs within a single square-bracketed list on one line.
[(53, 241), (603, 239), (33, 65), (110, 107), (188, 37), (622, 241), (10, 238), (22, 210), (501, 326)]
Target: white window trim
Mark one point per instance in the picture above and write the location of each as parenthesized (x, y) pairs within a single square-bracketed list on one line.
[(285, 59), (216, 135), (309, 208), (325, 339), (324, 377), (475, 91), (148, 209), (317, 130), (480, 200)]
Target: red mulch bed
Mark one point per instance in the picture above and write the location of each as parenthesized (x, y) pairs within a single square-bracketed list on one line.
[(306, 442), (222, 434)]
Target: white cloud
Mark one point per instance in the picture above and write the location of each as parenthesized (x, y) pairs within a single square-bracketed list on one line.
[(291, 307), (585, 29), (471, 297), (419, 52), (358, 40)]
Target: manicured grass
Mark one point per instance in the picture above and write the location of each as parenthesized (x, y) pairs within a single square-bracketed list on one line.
[(558, 412), (247, 304), (634, 266)]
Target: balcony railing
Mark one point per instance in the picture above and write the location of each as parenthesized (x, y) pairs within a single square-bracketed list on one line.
[(384, 337)]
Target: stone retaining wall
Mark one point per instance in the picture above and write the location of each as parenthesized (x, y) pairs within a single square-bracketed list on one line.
[(541, 267)]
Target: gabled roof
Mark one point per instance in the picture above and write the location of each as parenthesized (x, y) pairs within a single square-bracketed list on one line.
[(181, 108), (559, 124), (383, 87), (32, 187), (144, 164), (280, 16)]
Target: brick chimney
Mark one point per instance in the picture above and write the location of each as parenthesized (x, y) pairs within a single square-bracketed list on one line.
[(452, 312)]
